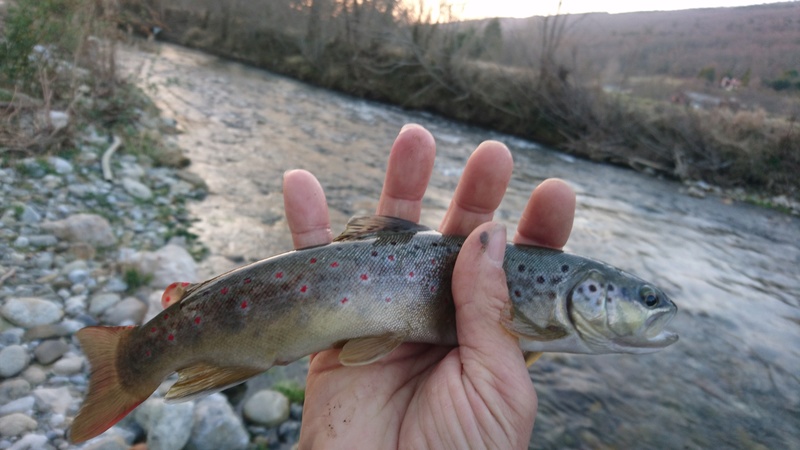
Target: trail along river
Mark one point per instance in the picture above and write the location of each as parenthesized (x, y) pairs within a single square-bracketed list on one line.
[(733, 379)]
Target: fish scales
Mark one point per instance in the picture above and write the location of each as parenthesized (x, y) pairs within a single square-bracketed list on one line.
[(384, 281)]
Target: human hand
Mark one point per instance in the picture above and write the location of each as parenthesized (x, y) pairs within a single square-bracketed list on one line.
[(478, 394)]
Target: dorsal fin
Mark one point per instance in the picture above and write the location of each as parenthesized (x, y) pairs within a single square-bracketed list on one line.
[(368, 226)]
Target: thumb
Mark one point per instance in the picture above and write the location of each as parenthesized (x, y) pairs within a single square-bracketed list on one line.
[(491, 359), (480, 294)]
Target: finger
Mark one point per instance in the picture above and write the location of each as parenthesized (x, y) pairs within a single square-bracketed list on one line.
[(548, 216), (306, 209), (407, 175), (480, 189)]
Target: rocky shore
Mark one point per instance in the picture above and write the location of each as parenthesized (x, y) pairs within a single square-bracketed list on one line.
[(78, 250)]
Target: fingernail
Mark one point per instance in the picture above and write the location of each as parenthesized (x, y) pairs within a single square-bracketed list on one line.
[(496, 247), (407, 127)]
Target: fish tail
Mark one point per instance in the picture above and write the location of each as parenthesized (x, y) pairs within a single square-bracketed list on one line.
[(107, 400)]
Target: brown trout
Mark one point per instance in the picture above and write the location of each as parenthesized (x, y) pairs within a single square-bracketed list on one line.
[(383, 282)]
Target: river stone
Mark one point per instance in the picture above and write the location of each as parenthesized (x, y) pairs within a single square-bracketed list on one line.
[(21, 405), (29, 312), (126, 312), (35, 375), (56, 400), (49, 351), (168, 425), (89, 228), (16, 424), (137, 189), (169, 264), (267, 407), (69, 366), (13, 389), (29, 215), (60, 165), (31, 442), (13, 360), (216, 426), (101, 302)]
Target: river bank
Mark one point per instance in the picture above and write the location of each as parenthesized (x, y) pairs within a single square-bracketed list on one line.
[(403, 60)]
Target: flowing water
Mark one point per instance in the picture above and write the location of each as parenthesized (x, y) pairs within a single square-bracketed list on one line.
[(733, 379)]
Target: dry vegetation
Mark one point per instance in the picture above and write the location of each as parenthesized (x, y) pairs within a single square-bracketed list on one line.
[(619, 88), (58, 73)]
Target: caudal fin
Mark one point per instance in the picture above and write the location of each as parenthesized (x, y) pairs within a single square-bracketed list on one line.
[(107, 401)]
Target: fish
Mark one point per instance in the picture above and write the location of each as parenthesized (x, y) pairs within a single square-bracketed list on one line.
[(382, 282)]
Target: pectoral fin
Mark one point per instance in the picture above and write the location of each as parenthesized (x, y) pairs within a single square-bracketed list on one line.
[(203, 379), (531, 357), (362, 351)]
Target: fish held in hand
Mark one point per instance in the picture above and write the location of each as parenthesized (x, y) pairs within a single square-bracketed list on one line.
[(383, 282)]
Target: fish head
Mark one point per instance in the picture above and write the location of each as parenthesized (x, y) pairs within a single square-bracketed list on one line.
[(616, 312)]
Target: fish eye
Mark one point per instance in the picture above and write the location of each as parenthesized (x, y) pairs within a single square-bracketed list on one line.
[(649, 297)]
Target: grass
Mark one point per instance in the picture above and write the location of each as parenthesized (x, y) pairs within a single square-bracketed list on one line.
[(135, 279), (291, 390)]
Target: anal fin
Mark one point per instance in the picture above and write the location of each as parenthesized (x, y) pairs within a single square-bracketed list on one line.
[(366, 350), (203, 379)]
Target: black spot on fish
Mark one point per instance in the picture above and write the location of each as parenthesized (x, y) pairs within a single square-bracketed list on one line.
[(416, 247), (580, 290), (556, 279), (608, 299), (551, 295), (374, 253), (518, 293), (565, 268), (484, 238), (521, 268), (610, 288), (434, 244), (540, 279), (393, 242), (592, 288)]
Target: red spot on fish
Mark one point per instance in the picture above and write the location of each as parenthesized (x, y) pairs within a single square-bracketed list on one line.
[(313, 260), (388, 299), (364, 277), (343, 301), (411, 274), (148, 353), (197, 320), (279, 275), (223, 291), (374, 253), (184, 284), (166, 316), (433, 261), (433, 288), (171, 337), (304, 288), (247, 281), (153, 329), (244, 304), (334, 264), (166, 301), (391, 257)]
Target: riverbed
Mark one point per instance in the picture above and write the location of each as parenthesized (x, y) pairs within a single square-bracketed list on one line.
[(733, 379)]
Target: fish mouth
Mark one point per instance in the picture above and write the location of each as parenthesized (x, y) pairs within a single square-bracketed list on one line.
[(655, 335)]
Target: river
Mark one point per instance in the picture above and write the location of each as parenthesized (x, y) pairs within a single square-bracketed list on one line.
[(733, 379)]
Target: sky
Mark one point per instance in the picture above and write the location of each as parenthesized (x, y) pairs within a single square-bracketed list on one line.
[(474, 9)]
